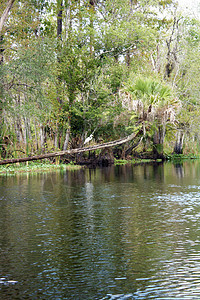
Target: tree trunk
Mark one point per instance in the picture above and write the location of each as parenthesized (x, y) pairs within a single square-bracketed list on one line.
[(59, 37), (1, 57), (18, 130), (178, 148), (56, 137), (91, 10), (128, 58), (26, 135), (73, 151), (36, 136), (5, 13), (68, 21), (66, 139), (59, 83), (130, 149), (172, 45), (158, 142), (59, 18), (18, 123), (42, 138)]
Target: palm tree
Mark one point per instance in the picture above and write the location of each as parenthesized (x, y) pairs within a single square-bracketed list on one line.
[(156, 106)]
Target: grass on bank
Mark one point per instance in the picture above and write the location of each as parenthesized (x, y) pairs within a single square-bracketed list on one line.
[(181, 157), (169, 157), (118, 162), (33, 167)]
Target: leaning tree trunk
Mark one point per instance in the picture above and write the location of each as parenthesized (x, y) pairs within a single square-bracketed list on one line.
[(4, 16), (178, 148), (73, 151)]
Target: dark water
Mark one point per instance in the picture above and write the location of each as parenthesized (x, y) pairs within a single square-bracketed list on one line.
[(128, 232)]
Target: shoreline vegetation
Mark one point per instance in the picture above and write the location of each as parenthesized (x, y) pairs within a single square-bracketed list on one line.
[(36, 167), (44, 167), (92, 81)]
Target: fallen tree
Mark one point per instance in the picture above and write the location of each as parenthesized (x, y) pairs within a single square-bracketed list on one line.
[(74, 151)]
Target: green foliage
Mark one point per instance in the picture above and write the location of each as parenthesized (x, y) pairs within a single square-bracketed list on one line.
[(156, 107), (51, 84), (150, 89)]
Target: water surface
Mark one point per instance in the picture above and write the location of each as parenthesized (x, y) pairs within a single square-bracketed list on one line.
[(126, 232)]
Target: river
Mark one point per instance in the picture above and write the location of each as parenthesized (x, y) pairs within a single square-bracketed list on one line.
[(121, 232)]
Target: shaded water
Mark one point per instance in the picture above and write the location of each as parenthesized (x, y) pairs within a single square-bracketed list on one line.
[(127, 232)]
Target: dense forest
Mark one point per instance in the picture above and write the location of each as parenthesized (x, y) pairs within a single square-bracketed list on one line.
[(84, 72)]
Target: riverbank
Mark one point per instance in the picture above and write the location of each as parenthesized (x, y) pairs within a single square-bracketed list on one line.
[(118, 162), (39, 166), (35, 167)]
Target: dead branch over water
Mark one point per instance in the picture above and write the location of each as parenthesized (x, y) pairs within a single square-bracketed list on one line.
[(73, 151)]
